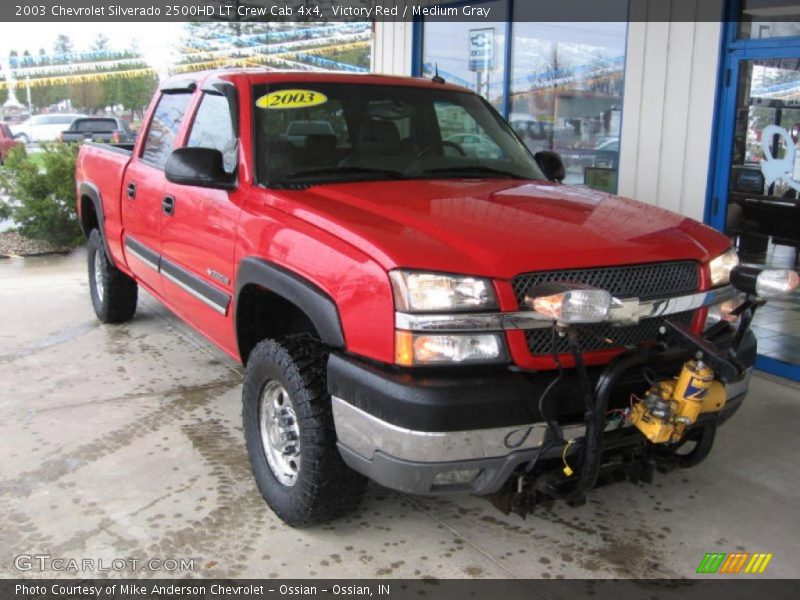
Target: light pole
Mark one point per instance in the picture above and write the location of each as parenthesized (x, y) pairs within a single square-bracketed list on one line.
[(28, 93)]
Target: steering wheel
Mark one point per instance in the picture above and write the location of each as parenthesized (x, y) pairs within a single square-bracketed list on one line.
[(427, 149)]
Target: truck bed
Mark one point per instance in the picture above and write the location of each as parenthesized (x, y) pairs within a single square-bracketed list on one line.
[(100, 170)]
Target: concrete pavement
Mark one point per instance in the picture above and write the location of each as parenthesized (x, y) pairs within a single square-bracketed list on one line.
[(125, 442)]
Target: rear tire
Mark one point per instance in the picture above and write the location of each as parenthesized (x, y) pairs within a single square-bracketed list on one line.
[(290, 435), (114, 294)]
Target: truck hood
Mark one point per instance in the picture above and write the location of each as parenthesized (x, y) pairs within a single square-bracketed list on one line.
[(499, 228)]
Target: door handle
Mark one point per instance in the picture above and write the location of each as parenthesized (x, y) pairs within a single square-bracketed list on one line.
[(168, 205), (131, 190)]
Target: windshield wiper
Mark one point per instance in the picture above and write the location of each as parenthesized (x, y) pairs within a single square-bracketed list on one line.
[(344, 170), (478, 170)]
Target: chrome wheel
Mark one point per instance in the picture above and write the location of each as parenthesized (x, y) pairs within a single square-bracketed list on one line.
[(280, 435), (98, 275)]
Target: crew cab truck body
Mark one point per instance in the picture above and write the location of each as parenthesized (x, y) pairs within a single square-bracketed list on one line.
[(406, 310)]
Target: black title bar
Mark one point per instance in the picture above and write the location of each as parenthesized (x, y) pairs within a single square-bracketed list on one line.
[(357, 10)]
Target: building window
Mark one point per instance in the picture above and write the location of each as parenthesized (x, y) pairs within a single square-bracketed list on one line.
[(567, 81), (469, 54), (762, 19), (563, 90)]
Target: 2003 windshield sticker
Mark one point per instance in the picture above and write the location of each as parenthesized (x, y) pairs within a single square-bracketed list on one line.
[(283, 99)]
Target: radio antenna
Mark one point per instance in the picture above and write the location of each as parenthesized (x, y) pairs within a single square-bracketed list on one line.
[(436, 77)]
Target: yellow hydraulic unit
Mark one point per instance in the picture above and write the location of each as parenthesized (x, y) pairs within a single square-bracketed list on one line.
[(672, 405)]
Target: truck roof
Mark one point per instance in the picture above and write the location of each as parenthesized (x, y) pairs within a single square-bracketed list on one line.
[(261, 75)]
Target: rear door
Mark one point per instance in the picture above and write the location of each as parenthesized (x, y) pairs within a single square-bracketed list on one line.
[(199, 234), (143, 188)]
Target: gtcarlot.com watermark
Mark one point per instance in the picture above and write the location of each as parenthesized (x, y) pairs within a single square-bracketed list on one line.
[(46, 562)]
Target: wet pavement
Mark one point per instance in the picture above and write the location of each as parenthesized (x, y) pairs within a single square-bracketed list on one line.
[(125, 442)]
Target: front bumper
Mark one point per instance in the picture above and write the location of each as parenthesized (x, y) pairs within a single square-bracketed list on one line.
[(456, 431)]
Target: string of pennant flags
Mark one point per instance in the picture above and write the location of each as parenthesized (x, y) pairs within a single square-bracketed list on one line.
[(300, 48), (38, 60), (54, 70), (81, 78), (245, 40), (260, 59), (337, 41)]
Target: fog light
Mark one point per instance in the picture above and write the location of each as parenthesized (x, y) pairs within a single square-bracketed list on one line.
[(456, 477), (569, 302)]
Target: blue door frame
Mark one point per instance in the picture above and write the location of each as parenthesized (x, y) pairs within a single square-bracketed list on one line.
[(733, 51)]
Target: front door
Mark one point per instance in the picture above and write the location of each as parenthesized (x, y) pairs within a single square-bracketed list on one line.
[(199, 232), (756, 189)]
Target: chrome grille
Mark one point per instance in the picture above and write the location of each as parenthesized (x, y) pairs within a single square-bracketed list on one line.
[(653, 280), (648, 281)]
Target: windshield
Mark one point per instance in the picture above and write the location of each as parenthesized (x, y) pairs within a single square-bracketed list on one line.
[(324, 133)]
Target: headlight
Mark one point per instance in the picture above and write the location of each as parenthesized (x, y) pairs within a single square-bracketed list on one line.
[(569, 303), (722, 266), (432, 292), (415, 349)]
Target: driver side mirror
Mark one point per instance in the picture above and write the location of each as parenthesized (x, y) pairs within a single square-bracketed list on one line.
[(551, 164), (201, 167)]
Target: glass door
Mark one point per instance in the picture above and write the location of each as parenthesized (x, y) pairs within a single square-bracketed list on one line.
[(756, 191), (763, 210)]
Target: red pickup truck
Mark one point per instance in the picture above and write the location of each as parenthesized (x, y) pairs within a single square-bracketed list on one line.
[(410, 310)]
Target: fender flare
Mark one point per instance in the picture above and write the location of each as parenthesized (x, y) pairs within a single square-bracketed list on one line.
[(90, 191), (307, 296)]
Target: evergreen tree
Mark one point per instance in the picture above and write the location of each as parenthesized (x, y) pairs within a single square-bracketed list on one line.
[(62, 46)]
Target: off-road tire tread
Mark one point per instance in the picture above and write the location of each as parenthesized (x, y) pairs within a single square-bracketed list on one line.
[(326, 487)]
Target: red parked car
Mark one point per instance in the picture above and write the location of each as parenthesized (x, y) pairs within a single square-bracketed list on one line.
[(411, 312), (7, 141)]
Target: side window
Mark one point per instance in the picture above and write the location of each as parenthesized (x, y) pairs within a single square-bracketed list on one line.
[(164, 127), (213, 128)]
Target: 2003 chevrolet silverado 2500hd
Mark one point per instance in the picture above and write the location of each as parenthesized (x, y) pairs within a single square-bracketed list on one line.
[(408, 309)]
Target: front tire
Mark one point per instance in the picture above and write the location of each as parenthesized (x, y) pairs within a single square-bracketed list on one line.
[(290, 435), (114, 294)]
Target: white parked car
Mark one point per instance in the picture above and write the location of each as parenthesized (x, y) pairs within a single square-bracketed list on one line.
[(43, 128)]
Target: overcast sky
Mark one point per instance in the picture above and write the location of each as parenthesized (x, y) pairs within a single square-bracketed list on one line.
[(155, 40)]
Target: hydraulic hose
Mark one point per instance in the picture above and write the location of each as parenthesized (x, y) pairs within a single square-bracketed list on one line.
[(596, 404)]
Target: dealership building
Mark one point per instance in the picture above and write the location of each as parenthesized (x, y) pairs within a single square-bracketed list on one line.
[(690, 105)]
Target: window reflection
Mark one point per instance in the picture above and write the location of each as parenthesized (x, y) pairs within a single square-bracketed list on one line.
[(566, 93), (470, 54), (763, 19), (565, 84)]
